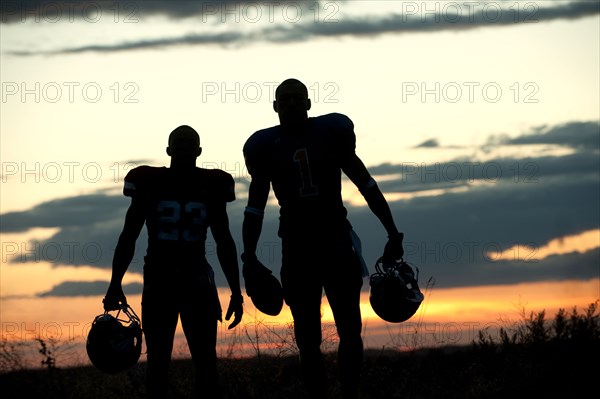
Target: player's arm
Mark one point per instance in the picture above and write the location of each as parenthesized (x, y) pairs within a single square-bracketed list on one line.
[(124, 252), (360, 176), (226, 251), (258, 194), (357, 172), (227, 255)]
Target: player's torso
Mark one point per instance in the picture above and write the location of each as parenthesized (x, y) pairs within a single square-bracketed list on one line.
[(178, 210), (305, 171)]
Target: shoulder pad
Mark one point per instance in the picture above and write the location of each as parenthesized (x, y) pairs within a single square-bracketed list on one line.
[(259, 139), (337, 121), (136, 178), (341, 130), (257, 147), (225, 184)]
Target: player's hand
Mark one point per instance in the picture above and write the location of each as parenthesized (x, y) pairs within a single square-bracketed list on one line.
[(114, 298), (393, 250), (236, 309)]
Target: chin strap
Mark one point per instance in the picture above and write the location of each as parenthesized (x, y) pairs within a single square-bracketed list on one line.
[(129, 312), (399, 268)]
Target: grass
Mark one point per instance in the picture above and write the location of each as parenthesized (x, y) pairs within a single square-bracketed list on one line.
[(536, 358)]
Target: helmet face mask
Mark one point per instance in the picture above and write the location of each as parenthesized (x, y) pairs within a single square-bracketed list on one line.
[(113, 346), (394, 292)]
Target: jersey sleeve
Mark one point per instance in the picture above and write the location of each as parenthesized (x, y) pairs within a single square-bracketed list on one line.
[(134, 181), (255, 154), (222, 186), (342, 129), (228, 187)]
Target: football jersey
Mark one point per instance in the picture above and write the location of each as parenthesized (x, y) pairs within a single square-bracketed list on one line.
[(178, 209), (305, 169)]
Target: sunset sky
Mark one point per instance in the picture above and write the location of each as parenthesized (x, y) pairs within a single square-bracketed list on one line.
[(479, 120)]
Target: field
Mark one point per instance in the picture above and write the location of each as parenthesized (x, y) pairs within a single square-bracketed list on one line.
[(539, 358)]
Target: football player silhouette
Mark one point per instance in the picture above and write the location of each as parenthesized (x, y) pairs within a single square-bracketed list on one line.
[(178, 204), (303, 159)]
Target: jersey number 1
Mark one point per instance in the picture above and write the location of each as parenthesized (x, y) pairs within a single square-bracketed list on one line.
[(307, 187)]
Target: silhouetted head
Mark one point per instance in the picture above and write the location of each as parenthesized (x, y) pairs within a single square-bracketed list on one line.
[(291, 102), (184, 146)]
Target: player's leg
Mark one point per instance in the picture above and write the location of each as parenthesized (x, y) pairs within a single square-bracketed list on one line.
[(343, 282), (302, 292), (159, 320), (199, 322)]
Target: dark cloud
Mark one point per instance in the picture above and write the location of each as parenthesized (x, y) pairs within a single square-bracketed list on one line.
[(583, 164), (510, 201), (462, 172), (456, 272), (500, 203), (451, 236), (580, 135), (190, 39), (415, 17), (87, 288), (73, 212), (431, 143), (411, 17), (19, 10)]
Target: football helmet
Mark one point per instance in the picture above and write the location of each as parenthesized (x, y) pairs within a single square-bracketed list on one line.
[(394, 292), (262, 286), (113, 344)]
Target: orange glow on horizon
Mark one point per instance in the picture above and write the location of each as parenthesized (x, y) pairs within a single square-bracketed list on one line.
[(466, 304), (447, 316)]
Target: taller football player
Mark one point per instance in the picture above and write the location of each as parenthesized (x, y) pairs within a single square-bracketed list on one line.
[(178, 204), (303, 158)]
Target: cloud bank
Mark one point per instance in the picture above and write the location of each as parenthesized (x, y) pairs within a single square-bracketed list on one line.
[(235, 23), (479, 208), (87, 288)]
